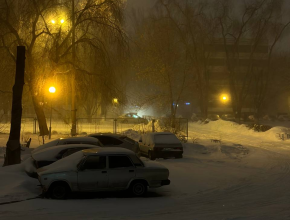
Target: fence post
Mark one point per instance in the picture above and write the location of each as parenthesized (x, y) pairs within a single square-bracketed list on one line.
[(115, 126), (187, 128), (153, 127), (34, 125)]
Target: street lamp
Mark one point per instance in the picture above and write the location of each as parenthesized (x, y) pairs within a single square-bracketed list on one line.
[(51, 90), (115, 101), (224, 98)]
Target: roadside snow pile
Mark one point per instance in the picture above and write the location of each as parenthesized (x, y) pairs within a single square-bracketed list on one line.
[(277, 131), (16, 185), (227, 128), (232, 151)]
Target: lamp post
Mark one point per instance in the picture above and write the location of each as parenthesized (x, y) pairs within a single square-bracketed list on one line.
[(52, 91)]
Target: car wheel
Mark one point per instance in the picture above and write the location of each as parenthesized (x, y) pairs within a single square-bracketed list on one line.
[(59, 191), (151, 156), (138, 188)]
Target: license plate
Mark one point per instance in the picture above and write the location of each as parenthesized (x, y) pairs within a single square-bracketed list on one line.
[(167, 149)]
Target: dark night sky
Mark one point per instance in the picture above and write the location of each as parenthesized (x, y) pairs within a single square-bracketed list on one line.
[(284, 44), (140, 3)]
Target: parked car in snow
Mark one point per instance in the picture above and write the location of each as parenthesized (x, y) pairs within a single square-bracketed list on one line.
[(228, 117), (116, 140), (132, 118), (50, 155), (71, 140), (284, 117), (213, 117), (101, 169), (160, 145)]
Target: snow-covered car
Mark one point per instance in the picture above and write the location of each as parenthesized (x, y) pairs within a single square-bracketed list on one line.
[(160, 145), (116, 140), (50, 155), (101, 169), (132, 118), (71, 140)]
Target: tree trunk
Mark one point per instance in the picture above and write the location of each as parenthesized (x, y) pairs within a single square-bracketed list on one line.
[(43, 130), (13, 148)]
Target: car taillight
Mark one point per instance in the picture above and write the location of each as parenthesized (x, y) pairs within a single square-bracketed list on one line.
[(178, 148)]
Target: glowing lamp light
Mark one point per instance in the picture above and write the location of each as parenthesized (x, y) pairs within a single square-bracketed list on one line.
[(62, 21), (51, 89), (53, 21), (224, 98), (187, 103), (115, 100)]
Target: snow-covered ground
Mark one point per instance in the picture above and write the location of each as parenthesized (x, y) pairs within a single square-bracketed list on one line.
[(246, 176)]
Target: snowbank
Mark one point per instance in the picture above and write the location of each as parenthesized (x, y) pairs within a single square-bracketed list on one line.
[(227, 128), (16, 185)]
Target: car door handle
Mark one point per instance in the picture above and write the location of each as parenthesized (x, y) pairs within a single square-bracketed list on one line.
[(131, 171), (104, 171)]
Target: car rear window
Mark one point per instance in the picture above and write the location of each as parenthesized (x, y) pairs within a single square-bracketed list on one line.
[(105, 140), (137, 162), (166, 139), (131, 141)]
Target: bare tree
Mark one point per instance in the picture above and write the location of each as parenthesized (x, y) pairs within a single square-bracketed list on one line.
[(246, 38), (160, 59), (197, 29), (44, 27)]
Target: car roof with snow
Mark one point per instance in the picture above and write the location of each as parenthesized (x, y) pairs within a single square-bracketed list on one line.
[(58, 141), (107, 134), (78, 139), (160, 138), (51, 153), (107, 150)]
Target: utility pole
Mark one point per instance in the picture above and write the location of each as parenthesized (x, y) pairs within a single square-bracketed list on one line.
[(13, 149), (73, 78)]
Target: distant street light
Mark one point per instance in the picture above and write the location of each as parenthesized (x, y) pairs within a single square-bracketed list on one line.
[(51, 90), (224, 98), (53, 21), (115, 101), (62, 21)]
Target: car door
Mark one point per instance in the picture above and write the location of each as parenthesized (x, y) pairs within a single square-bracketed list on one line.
[(121, 171), (93, 174)]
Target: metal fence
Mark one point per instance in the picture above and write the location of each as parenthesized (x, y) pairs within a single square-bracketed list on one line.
[(105, 125)]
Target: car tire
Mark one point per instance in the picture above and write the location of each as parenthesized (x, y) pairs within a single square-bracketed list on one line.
[(151, 156), (59, 191), (138, 188)]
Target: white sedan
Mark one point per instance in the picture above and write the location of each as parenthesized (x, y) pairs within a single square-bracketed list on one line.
[(101, 169)]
